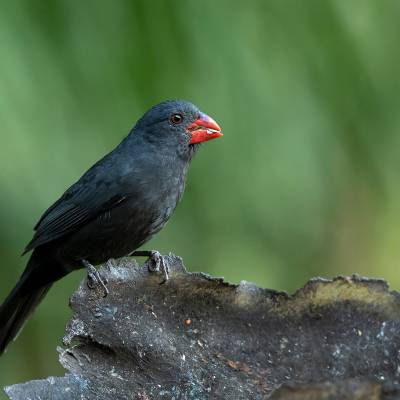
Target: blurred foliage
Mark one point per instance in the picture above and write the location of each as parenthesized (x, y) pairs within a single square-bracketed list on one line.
[(304, 182)]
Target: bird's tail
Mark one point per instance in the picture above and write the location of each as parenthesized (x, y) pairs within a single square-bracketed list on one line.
[(22, 301)]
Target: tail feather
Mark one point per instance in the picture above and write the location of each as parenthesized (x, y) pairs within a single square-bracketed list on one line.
[(21, 303)]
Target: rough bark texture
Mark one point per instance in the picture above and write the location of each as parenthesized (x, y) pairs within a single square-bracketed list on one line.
[(198, 337)]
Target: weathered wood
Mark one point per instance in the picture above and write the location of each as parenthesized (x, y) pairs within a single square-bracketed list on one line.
[(198, 337)]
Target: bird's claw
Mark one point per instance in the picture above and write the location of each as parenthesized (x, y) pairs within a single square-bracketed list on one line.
[(157, 263), (94, 278)]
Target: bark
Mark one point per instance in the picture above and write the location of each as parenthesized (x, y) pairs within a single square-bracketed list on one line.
[(198, 337)]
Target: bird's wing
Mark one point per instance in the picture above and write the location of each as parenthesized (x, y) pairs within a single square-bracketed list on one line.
[(78, 205), (66, 216)]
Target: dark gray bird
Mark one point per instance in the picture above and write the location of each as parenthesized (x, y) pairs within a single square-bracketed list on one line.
[(115, 207)]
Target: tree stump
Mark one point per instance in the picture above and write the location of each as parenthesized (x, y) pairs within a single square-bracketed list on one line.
[(199, 337)]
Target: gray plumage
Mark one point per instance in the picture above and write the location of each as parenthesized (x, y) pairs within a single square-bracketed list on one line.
[(115, 207)]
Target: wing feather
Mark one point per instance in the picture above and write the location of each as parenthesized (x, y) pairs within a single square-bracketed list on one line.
[(97, 191), (65, 217)]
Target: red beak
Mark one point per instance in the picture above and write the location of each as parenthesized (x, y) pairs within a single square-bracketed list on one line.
[(203, 129)]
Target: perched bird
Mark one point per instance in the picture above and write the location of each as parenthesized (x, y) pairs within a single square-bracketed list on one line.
[(115, 207)]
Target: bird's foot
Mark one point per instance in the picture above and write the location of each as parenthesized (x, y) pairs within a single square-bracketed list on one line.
[(94, 278), (156, 262)]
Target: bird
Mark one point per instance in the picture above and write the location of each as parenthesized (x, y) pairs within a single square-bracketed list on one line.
[(117, 205)]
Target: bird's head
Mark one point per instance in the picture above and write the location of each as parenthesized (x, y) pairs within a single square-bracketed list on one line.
[(178, 121)]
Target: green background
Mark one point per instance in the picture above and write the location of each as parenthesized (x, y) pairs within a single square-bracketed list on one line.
[(305, 181)]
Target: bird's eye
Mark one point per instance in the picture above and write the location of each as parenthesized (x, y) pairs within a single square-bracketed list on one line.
[(176, 119)]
